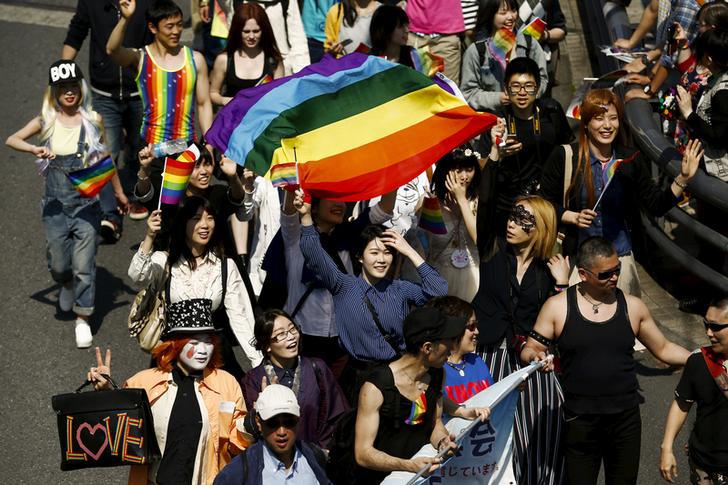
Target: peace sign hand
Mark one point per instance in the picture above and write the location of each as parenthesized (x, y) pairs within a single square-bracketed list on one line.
[(102, 367)]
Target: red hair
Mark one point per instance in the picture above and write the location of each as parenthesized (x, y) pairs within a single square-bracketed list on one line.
[(596, 102), (243, 13), (168, 351)]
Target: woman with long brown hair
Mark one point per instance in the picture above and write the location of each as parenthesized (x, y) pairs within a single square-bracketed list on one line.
[(250, 58), (609, 180)]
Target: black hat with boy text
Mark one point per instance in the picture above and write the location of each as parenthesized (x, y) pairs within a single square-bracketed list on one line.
[(64, 72)]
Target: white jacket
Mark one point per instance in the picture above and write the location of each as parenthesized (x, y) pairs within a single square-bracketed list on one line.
[(293, 43)]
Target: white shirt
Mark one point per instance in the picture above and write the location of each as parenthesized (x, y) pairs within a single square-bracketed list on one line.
[(203, 282)]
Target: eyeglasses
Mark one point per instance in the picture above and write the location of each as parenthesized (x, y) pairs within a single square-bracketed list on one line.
[(521, 217), (281, 421), (515, 88), (605, 275), (283, 336), (713, 326)]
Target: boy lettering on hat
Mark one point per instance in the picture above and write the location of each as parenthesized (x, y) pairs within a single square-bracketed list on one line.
[(279, 457), (386, 441)]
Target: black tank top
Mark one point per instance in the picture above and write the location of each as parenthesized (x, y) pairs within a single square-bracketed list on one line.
[(598, 368), (233, 83)]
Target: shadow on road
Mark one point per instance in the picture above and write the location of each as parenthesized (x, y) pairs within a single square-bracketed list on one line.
[(115, 293)]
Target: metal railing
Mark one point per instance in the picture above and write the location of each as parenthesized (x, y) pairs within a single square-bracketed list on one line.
[(605, 21)]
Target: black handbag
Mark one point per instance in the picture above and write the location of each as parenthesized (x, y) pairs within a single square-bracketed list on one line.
[(105, 428)]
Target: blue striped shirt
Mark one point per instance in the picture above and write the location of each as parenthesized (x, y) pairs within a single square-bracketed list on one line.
[(390, 298)]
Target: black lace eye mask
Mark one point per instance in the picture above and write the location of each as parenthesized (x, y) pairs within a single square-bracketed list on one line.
[(521, 217)]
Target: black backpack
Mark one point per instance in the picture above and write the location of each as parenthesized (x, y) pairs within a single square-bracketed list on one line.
[(342, 467)]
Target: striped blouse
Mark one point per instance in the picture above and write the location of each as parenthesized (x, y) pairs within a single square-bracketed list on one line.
[(390, 298), (168, 98)]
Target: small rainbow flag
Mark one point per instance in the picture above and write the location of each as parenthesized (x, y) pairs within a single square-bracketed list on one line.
[(176, 176), (501, 45), (431, 216), (264, 80), (90, 180), (283, 174), (426, 62), (535, 29), (418, 410), (611, 167)]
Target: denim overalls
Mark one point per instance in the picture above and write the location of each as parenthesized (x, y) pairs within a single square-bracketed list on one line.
[(72, 224)]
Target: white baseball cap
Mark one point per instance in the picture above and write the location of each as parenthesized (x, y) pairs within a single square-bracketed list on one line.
[(276, 399)]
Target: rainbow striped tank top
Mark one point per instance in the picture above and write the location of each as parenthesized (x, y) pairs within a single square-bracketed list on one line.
[(168, 98)]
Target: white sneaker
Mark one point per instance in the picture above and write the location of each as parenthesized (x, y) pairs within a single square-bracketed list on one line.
[(83, 334), (65, 298)]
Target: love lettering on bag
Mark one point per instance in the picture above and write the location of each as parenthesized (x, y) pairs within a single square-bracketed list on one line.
[(116, 435)]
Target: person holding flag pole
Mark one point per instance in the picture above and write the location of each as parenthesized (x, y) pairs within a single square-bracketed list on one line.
[(596, 186)]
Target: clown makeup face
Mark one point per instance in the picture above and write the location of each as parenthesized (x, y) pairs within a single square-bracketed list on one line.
[(196, 353)]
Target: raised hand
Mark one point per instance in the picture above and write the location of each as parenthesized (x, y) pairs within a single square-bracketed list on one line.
[(102, 367), (691, 159), (456, 189), (154, 223), (146, 156), (228, 167), (127, 8), (299, 202), (559, 268), (249, 180), (684, 102), (395, 240)]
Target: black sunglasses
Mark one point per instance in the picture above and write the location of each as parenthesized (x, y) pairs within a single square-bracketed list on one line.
[(278, 421), (605, 275), (713, 326)]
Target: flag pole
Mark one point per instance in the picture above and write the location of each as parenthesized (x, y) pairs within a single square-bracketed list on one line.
[(161, 186), (298, 176), (602, 194)]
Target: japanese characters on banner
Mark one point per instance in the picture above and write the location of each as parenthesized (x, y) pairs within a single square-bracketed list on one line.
[(486, 453)]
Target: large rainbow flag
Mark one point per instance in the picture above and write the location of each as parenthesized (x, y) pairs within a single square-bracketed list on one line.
[(176, 175), (360, 125), (90, 180)]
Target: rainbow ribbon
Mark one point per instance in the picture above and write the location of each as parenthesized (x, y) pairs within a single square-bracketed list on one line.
[(431, 216), (501, 45)]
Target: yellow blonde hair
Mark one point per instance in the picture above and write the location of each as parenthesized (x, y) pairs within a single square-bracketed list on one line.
[(91, 120), (545, 215)]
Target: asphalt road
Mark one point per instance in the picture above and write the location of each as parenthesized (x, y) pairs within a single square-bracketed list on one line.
[(38, 357)]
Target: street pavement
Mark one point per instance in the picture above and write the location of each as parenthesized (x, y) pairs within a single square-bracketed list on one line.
[(38, 357)]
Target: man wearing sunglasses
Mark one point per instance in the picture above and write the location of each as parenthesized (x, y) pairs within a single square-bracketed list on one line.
[(704, 381), (594, 325), (279, 457)]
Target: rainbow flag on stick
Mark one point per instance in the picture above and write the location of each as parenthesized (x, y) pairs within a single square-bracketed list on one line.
[(176, 176), (431, 216), (535, 28), (608, 172), (362, 126), (501, 45), (90, 180), (284, 174), (426, 62)]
